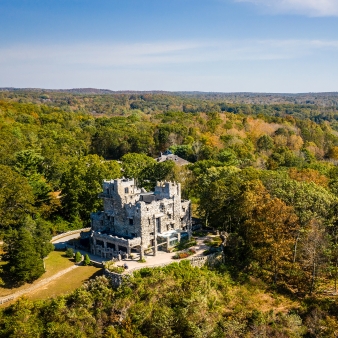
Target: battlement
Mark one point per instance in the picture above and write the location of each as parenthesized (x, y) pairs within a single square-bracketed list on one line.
[(133, 213)]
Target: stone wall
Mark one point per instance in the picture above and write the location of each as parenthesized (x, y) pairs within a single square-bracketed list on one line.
[(133, 213), (69, 233), (199, 261)]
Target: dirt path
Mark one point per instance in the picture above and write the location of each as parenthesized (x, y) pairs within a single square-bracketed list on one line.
[(36, 286)]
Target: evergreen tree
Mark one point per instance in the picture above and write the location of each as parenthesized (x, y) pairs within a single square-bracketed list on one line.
[(86, 260), (25, 263), (69, 253), (78, 257)]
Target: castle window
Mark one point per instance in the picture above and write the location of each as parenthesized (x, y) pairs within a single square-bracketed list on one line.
[(151, 234), (131, 221), (148, 221), (158, 224), (126, 190)]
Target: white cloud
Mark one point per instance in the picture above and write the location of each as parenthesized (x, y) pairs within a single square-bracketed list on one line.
[(158, 53), (306, 7), (171, 65), (108, 54)]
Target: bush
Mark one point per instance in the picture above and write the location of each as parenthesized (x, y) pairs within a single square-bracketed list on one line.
[(185, 244), (86, 260), (69, 253), (184, 254), (78, 257), (141, 260), (116, 269)]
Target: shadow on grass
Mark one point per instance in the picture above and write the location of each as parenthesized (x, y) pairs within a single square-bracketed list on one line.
[(94, 275), (8, 281), (70, 259)]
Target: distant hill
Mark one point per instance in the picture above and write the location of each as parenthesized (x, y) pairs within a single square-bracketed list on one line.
[(104, 102)]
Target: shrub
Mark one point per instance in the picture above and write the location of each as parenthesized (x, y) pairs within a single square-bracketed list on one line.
[(184, 254), (116, 269), (86, 260), (142, 260), (69, 253), (78, 257), (185, 244)]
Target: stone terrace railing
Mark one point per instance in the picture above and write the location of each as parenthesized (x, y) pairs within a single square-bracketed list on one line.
[(198, 261), (69, 233)]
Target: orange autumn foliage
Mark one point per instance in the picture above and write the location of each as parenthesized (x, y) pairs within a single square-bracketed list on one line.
[(308, 175)]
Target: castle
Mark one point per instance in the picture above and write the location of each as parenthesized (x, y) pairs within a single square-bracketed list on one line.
[(135, 221)]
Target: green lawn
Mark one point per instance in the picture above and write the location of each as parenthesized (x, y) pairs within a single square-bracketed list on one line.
[(66, 283), (55, 262)]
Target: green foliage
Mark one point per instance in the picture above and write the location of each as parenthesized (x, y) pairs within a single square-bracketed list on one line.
[(86, 260), (156, 172), (142, 260), (185, 244), (69, 253), (24, 263), (265, 142), (78, 257), (133, 164), (16, 198), (184, 254), (56, 148), (81, 183), (194, 303)]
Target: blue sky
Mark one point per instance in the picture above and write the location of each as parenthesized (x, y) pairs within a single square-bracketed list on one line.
[(204, 45)]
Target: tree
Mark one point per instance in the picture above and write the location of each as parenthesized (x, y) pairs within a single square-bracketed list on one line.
[(69, 253), (78, 257), (265, 142), (270, 230), (16, 198), (133, 164), (86, 260), (308, 175), (81, 183), (313, 253), (156, 172), (333, 153), (24, 262)]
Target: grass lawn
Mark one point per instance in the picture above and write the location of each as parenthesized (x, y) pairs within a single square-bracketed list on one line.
[(55, 262), (66, 283)]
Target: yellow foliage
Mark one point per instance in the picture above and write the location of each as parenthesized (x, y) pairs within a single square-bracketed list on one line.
[(308, 175)]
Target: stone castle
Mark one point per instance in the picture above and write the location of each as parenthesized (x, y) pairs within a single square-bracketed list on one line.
[(135, 221)]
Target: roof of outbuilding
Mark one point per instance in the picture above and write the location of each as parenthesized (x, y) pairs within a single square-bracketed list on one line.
[(171, 157)]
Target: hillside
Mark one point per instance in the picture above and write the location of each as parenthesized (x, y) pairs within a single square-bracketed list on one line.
[(264, 173)]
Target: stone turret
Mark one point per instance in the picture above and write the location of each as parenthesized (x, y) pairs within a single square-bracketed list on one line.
[(134, 219)]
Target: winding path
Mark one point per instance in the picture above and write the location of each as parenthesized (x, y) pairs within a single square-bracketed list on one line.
[(38, 285), (162, 258)]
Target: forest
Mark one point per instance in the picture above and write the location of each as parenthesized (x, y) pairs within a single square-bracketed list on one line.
[(262, 168)]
